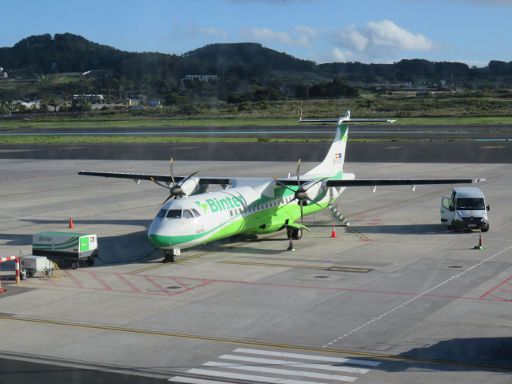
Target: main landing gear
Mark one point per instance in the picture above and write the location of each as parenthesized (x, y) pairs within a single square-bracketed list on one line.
[(171, 255), (293, 234)]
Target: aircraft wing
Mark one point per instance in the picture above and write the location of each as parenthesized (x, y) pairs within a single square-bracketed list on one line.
[(376, 182), (153, 177)]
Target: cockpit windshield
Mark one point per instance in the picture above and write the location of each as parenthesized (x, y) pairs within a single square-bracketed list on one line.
[(173, 214), (178, 213), (470, 203)]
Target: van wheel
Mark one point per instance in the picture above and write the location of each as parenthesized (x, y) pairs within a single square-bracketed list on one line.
[(74, 265), (484, 227), (90, 261)]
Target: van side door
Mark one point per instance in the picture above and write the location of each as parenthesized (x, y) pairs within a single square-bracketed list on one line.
[(446, 213)]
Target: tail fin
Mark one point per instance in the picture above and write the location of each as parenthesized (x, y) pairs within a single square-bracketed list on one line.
[(332, 165)]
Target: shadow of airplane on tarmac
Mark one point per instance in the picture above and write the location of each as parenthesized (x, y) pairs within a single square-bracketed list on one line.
[(404, 229), (491, 354), (64, 222)]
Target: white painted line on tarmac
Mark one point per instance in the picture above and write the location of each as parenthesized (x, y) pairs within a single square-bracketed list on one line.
[(193, 380), (289, 363), (279, 371), (308, 357), (418, 296), (264, 379)]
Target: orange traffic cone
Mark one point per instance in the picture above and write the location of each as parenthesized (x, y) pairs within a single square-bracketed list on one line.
[(333, 232), (71, 223), (480, 244)]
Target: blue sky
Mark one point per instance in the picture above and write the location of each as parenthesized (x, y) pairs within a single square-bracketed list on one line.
[(472, 31)]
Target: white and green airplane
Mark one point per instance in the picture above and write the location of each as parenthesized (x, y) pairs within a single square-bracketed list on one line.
[(253, 206)]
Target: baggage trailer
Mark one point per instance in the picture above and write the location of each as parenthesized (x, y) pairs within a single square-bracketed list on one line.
[(67, 249), (36, 264)]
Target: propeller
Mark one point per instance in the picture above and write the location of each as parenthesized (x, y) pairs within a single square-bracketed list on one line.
[(300, 195), (174, 188)]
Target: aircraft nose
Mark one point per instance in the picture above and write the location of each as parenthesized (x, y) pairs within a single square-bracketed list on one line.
[(159, 240), (156, 237)]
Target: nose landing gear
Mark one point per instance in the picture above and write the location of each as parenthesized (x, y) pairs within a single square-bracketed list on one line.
[(171, 255)]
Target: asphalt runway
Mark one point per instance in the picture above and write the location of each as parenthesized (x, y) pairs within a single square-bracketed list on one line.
[(394, 298), (407, 152), (376, 131)]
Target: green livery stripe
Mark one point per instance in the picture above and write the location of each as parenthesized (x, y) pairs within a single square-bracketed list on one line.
[(70, 243), (272, 219)]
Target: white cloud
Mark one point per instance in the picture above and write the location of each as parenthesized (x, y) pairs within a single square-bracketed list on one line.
[(387, 33), (265, 35), (377, 40), (351, 37), (338, 55), (299, 35), (213, 32)]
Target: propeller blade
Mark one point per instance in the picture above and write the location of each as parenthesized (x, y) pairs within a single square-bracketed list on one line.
[(166, 200), (314, 202), (186, 178), (316, 182), (298, 173), (301, 214), (171, 170), (292, 200), (160, 183), (283, 185)]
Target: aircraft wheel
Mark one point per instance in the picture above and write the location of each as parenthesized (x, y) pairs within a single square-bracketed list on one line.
[(297, 233), (169, 257)]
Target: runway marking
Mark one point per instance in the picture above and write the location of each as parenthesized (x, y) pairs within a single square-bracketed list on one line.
[(300, 266), (75, 280), (330, 359), (253, 343), (290, 363), (251, 378), (279, 371), (493, 289), (101, 281), (193, 380), (418, 296)]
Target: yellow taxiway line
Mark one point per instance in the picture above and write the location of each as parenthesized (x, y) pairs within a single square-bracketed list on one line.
[(249, 342)]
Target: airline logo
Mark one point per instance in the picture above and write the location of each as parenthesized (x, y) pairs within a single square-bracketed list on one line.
[(219, 205)]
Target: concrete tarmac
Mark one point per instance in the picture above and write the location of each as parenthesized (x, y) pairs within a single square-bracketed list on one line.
[(375, 131), (399, 151), (394, 298)]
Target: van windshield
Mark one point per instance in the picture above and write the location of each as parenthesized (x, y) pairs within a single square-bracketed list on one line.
[(470, 203)]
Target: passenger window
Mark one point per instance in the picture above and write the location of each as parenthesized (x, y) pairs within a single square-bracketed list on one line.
[(187, 214), (174, 214), (195, 212)]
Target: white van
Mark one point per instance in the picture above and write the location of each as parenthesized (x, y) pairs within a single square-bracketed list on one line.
[(465, 208)]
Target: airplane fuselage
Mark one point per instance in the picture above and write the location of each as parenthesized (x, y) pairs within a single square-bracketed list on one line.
[(202, 218)]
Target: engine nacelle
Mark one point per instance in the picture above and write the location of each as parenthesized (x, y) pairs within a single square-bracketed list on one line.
[(189, 186), (312, 189)]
